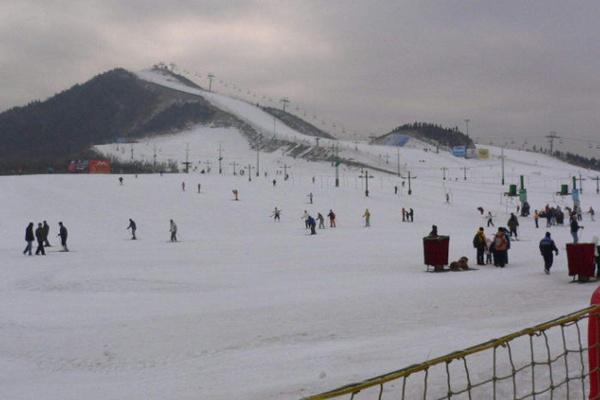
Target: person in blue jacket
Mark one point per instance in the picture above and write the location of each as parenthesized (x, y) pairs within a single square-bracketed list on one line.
[(548, 248), (312, 224)]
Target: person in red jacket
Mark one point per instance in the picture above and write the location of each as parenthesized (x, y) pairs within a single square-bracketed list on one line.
[(500, 244)]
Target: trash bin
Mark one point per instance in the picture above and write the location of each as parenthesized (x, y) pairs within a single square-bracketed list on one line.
[(435, 250), (581, 260)]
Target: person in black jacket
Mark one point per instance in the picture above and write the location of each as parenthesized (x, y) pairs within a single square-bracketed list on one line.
[(46, 231), (39, 236), (29, 238), (133, 227), (62, 232), (547, 247)]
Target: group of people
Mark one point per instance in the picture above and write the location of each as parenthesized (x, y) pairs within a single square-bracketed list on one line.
[(495, 250), (310, 222), (40, 234), (172, 229)]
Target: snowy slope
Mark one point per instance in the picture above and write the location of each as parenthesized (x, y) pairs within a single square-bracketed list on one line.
[(247, 308)]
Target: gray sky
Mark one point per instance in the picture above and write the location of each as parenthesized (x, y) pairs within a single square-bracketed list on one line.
[(516, 69)]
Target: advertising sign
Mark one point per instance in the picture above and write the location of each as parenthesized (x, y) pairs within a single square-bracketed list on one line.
[(459, 151), (99, 166), (483, 154)]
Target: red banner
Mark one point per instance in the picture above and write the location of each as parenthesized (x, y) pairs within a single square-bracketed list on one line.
[(99, 167)]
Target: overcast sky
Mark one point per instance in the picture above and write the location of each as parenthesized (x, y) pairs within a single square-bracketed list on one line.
[(516, 69)]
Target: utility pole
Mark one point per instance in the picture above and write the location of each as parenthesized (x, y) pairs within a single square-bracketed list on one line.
[(250, 167), (285, 168), (187, 158), (365, 175), (131, 146), (285, 101), (502, 158), (467, 120), (208, 164), (597, 179), (332, 155), (220, 159), (465, 172), (444, 169), (409, 179), (580, 179), (551, 138), (210, 80), (317, 140), (258, 142), (235, 164), (337, 165)]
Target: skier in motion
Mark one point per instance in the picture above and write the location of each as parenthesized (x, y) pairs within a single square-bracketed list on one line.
[(276, 214), (133, 228), (173, 230)]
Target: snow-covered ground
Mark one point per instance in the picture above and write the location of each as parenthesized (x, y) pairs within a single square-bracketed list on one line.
[(243, 307)]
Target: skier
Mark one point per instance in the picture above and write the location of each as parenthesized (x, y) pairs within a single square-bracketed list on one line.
[(411, 215), (490, 221), (46, 232), (199, 186), (367, 217), (396, 189), (500, 248), (479, 242), (29, 238), (274, 182), (547, 246), (311, 224), (575, 228), (62, 232), (404, 214), (235, 194), (120, 180), (173, 230), (183, 186), (276, 214), (480, 209), (133, 227), (304, 217), (448, 198), (331, 216), (310, 198), (321, 220), (512, 223), (39, 236), (592, 213), (536, 218)]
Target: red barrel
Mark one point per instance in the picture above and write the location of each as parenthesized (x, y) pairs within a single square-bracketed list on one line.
[(581, 259), (435, 250)]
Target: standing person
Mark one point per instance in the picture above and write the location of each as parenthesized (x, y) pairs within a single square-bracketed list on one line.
[(199, 186), (536, 218), (575, 228), (396, 189), (512, 223), (173, 230), (592, 213), (488, 250), (235, 194), (183, 186), (120, 180), (500, 248), (479, 242), (321, 220), (133, 228), (310, 198), (547, 247), (46, 231), (411, 215), (434, 231), (447, 197), (39, 236), (305, 218), (274, 182), (29, 238), (403, 214), (367, 217), (596, 255), (490, 221), (311, 224), (276, 214), (62, 233), (331, 216)]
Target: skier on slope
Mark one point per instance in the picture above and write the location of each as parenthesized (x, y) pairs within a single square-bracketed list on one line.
[(367, 217), (490, 220), (311, 224), (276, 214), (173, 230), (331, 216), (512, 223), (321, 220), (547, 247), (133, 228)]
